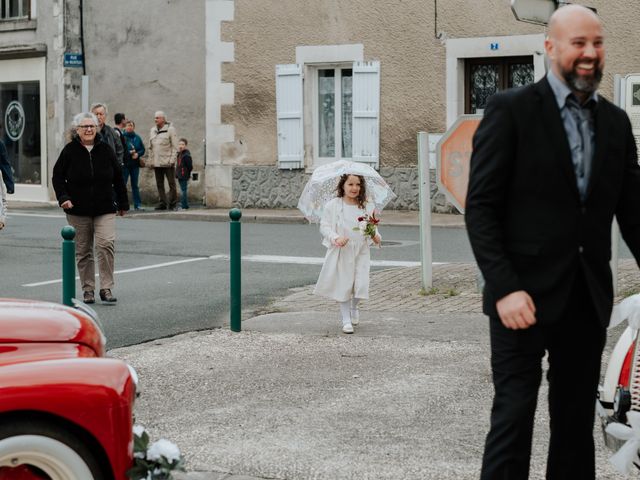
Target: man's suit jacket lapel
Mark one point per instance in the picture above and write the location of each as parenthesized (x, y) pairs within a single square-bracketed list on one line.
[(556, 134)]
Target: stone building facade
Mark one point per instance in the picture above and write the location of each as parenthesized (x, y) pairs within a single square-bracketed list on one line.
[(266, 91)]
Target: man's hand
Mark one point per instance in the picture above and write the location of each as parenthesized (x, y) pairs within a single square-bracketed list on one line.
[(67, 205), (517, 310)]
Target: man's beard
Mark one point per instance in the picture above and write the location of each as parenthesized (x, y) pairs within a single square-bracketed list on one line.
[(581, 83)]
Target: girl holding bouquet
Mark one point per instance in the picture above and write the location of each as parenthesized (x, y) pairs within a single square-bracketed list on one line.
[(348, 228)]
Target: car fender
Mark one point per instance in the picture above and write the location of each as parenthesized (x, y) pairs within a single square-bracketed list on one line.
[(97, 394)]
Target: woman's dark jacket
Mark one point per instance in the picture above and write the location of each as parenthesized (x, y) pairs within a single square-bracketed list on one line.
[(184, 165), (89, 179)]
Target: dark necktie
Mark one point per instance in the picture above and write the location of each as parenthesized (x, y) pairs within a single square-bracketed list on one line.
[(582, 116)]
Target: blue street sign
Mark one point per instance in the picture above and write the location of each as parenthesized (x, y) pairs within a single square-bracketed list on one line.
[(73, 59)]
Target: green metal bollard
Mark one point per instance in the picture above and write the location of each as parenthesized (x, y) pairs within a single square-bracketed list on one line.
[(235, 316), (68, 265)]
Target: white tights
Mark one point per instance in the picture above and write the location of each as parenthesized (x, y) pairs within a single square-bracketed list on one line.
[(346, 308)]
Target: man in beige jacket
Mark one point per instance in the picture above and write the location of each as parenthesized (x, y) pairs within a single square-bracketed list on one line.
[(162, 154)]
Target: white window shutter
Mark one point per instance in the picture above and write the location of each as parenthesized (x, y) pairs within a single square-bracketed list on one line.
[(366, 113), (289, 113)]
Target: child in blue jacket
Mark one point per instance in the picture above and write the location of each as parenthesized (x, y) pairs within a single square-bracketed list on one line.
[(184, 165)]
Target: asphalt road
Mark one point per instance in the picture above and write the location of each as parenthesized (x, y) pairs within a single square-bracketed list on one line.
[(173, 274)]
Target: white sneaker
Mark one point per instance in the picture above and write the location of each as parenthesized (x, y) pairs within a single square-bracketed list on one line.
[(348, 328), (355, 317)]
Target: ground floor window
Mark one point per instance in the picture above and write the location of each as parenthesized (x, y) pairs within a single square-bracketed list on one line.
[(20, 132), (486, 76)]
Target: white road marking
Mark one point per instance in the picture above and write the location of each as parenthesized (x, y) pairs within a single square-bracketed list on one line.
[(247, 258), (38, 215), (319, 260), (129, 270)]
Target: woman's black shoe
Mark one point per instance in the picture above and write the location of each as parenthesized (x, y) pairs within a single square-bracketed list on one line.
[(106, 296), (88, 297)]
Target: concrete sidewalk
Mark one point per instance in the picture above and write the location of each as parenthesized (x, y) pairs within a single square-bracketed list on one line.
[(254, 215), (291, 397), (259, 215)]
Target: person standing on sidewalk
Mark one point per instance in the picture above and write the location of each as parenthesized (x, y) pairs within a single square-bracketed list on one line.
[(184, 166), (135, 146), (345, 272), (108, 134), (552, 163), (163, 152), (85, 178)]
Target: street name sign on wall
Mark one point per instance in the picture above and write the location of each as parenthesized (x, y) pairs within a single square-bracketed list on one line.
[(73, 59), (453, 155)]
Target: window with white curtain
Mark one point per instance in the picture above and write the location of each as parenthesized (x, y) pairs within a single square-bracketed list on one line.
[(14, 9), (334, 113)]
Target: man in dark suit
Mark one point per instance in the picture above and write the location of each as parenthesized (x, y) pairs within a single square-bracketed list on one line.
[(552, 163)]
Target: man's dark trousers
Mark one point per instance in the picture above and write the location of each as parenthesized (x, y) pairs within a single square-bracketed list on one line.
[(575, 344), (170, 174)]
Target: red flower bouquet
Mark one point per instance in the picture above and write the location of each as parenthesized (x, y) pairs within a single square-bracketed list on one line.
[(367, 224)]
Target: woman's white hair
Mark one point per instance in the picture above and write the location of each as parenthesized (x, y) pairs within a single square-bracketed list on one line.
[(160, 113), (83, 116)]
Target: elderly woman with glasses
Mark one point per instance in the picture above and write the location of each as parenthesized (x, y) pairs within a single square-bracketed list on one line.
[(88, 182)]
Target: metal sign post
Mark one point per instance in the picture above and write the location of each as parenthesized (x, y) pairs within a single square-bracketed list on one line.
[(426, 252), (85, 93)]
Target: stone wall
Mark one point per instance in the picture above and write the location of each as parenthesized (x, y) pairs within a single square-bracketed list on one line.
[(270, 187)]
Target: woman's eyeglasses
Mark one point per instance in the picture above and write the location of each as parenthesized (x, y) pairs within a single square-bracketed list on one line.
[(87, 127)]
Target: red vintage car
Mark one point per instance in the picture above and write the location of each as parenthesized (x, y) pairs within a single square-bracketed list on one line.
[(66, 412)]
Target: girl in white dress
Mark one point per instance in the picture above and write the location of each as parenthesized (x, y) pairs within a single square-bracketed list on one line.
[(345, 271)]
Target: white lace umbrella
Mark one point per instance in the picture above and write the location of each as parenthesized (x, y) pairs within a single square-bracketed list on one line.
[(322, 185)]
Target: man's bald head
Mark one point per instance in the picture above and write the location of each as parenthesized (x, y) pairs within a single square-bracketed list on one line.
[(563, 16), (575, 47)]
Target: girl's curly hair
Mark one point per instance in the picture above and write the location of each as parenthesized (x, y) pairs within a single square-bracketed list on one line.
[(362, 196)]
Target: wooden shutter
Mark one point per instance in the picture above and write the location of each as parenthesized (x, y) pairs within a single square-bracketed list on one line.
[(366, 113), (289, 113)]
